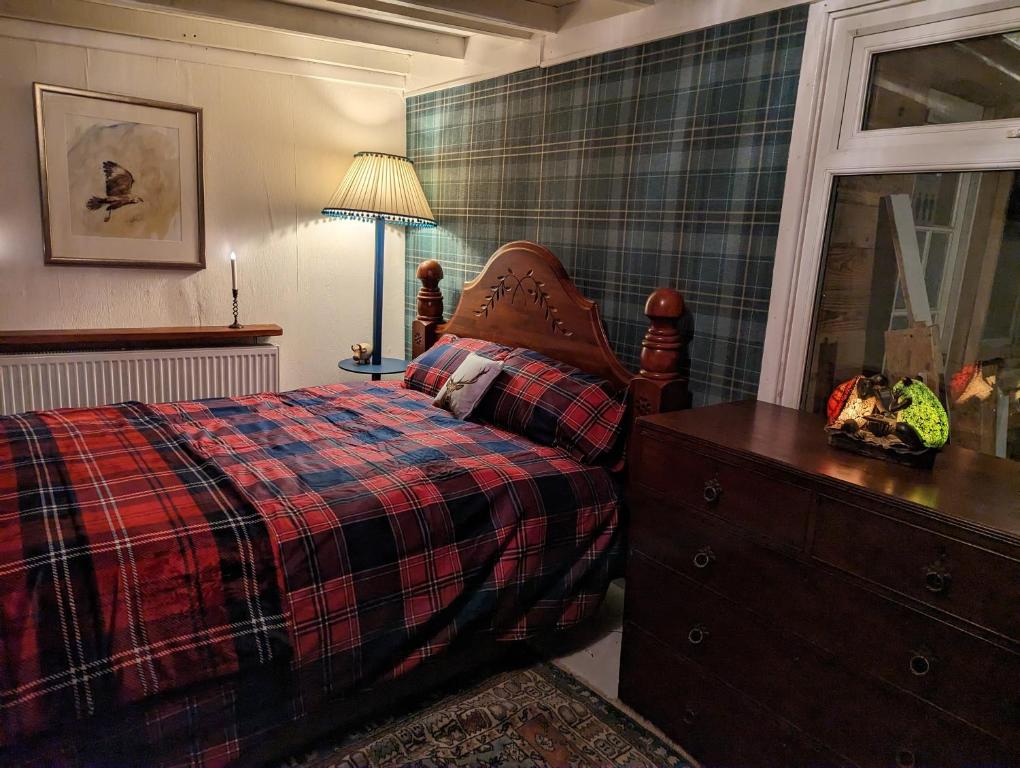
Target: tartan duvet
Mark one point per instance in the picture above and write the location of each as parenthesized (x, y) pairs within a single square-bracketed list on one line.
[(340, 534)]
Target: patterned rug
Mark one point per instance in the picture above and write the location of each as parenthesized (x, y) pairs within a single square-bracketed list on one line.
[(532, 717)]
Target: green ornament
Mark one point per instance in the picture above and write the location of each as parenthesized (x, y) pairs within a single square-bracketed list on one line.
[(924, 415)]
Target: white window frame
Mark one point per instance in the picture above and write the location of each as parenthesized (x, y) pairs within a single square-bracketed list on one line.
[(827, 142)]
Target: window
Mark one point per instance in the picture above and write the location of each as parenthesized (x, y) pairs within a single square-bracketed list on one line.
[(903, 231), (958, 81), (965, 229)]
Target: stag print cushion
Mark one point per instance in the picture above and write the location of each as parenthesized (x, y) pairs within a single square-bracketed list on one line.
[(467, 385)]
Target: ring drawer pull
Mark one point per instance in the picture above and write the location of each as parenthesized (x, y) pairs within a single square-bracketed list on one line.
[(704, 557), (937, 579), (690, 715), (921, 663), (697, 635), (713, 490), (905, 758)]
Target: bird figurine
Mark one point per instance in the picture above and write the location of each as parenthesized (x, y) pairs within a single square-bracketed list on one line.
[(119, 182)]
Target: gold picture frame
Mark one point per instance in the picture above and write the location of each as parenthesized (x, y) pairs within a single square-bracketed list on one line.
[(120, 180)]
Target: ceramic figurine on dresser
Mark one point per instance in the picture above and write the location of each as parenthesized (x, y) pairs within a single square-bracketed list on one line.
[(905, 423)]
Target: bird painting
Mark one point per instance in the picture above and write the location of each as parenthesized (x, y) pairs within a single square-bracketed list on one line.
[(119, 182)]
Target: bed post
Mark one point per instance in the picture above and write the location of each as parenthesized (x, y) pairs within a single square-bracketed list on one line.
[(660, 387), (425, 327)]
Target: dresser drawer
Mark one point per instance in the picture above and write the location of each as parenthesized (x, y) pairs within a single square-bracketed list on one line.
[(869, 722), (870, 633), (719, 555), (966, 581), (713, 722), (750, 499)]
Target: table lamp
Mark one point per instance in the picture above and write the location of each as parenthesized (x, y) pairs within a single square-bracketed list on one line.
[(380, 188)]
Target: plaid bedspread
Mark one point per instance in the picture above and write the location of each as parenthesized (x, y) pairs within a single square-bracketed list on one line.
[(397, 526), (127, 568), (348, 532)]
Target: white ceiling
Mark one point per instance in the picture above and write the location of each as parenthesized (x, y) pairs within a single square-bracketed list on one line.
[(324, 31), (513, 18), (405, 44), (398, 24)]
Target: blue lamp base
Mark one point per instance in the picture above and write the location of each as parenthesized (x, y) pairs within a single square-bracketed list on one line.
[(378, 365)]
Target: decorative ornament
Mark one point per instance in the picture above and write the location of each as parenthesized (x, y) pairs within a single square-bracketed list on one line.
[(512, 284), (905, 423), (362, 353)]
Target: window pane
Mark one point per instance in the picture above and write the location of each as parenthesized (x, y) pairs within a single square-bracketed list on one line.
[(969, 268), (960, 81), (936, 265), (934, 198)]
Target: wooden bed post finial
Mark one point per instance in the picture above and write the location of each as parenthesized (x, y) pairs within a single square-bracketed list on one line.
[(430, 298), (424, 329), (660, 387), (660, 350)]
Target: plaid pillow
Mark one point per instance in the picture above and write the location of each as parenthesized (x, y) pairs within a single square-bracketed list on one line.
[(554, 403), (429, 371)]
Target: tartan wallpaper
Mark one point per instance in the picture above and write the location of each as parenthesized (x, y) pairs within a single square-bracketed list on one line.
[(659, 164)]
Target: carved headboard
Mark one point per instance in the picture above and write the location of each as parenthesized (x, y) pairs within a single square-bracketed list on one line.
[(523, 297)]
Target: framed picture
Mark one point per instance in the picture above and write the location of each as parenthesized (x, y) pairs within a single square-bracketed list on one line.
[(121, 180)]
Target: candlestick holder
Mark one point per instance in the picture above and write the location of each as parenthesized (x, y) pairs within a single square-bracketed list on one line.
[(235, 324)]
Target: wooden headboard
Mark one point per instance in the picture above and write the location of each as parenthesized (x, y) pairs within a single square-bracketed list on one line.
[(523, 297)]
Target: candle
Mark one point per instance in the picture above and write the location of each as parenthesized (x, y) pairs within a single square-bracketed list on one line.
[(233, 271)]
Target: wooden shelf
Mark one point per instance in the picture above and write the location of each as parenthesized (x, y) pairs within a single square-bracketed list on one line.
[(133, 338)]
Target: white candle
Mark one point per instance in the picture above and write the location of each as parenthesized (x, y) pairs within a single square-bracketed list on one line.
[(233, 271)]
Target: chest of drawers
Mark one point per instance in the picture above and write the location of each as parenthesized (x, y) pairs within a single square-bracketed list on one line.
[(791, 604)]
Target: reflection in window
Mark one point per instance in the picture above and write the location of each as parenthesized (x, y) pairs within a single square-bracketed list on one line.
[(960, 81), (933, 255)]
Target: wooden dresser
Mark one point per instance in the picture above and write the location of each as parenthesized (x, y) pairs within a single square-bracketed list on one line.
[(791, 604)]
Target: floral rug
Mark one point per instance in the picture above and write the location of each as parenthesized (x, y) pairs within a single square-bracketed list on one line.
[(531, 717)]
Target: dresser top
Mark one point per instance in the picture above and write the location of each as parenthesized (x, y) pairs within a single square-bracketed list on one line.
[(964, 485)]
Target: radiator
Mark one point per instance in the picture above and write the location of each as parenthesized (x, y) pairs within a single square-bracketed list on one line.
[(33, 382)]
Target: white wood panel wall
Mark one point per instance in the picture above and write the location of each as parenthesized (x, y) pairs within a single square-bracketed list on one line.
[(276, 145)]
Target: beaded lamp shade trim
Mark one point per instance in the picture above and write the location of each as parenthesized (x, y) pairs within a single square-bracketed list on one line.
[(379, 185)]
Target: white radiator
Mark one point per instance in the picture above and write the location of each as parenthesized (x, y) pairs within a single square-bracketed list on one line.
[(74, 379)]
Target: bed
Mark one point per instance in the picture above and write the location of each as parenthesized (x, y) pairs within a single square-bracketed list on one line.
[(192, 583)]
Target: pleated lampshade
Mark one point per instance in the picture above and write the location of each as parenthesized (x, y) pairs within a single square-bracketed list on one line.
[(380, 185)]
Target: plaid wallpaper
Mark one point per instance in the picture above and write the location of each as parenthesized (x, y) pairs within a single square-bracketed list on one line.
[(660, 164)]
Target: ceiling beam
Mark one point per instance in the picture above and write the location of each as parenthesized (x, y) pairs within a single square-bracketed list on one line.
[(429, 15), (588, 11), (519, 14), (155, 25), (269, 63), (313, 22)]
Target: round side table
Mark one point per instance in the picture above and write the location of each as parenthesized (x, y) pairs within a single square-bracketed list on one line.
[(386, 365)]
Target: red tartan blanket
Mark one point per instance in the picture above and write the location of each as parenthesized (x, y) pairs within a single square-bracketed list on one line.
[(398, 526), (354, 530), (127, 568)]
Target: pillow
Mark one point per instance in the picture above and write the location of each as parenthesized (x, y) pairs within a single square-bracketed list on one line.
[(553, 403), (467, 385), (429, 371)]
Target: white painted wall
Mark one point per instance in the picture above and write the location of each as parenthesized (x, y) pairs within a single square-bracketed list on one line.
[(276, 145)]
